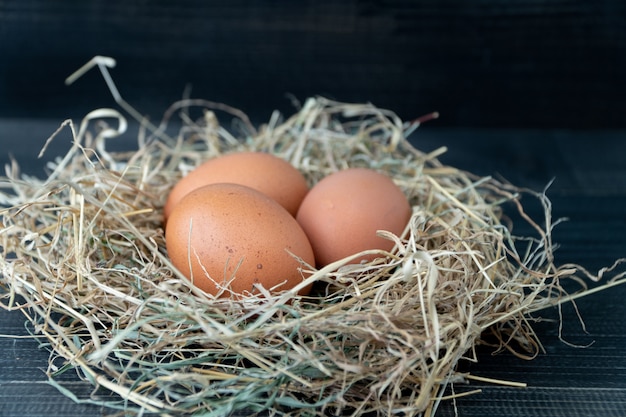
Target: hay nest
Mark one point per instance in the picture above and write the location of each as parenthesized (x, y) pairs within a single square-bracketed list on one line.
[(84, 258)]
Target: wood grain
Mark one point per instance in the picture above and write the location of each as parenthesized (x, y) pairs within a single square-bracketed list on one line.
[(517, 64)]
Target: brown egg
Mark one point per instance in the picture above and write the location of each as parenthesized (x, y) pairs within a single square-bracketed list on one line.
[(232, 236), (343, 211), (262, 171)]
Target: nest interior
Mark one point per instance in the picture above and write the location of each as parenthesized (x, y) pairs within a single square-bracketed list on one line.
[(83, 256)]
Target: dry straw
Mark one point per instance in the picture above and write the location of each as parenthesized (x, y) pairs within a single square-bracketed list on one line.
[(83, 257)]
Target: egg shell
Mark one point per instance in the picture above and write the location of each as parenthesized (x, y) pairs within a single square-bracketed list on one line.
[(262, 171), (342, 213), (239, 237)]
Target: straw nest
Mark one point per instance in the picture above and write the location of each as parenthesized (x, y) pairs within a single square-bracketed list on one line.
[(84, 258)]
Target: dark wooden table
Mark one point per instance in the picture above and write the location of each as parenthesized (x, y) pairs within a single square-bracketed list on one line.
[(584, 377)]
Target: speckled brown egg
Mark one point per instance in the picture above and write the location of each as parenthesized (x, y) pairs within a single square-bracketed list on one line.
[(227, 238), (342, 213), (262, 171)]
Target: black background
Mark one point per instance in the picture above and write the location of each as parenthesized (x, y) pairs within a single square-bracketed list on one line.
[(531, 90), (484, 63)]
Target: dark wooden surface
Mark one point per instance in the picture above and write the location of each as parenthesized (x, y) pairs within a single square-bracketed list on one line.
[(519, 63), (589, 188)]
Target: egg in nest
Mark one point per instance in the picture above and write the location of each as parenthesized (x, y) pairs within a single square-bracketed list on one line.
[(228, 238), (342, 213), (264, 172)]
